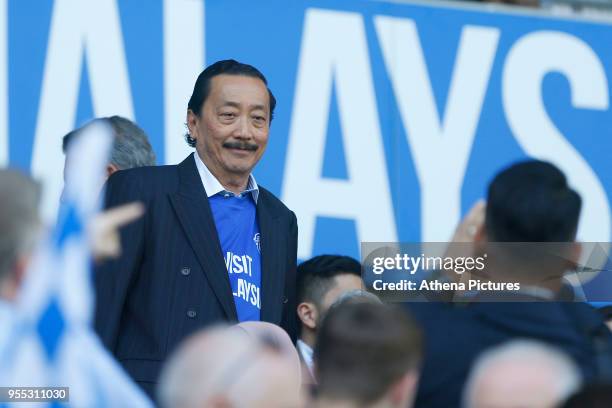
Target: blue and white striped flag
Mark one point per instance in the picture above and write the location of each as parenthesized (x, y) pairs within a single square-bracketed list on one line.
[(52, 342)]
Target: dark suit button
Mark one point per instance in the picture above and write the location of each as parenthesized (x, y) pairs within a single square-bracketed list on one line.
[(285, 300), (185, 271), (191, 313)]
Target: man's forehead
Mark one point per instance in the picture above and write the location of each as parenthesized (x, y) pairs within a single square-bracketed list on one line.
[(238, 90)]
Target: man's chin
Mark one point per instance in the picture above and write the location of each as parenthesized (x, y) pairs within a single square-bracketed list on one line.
[(240, 169), (236, 164)]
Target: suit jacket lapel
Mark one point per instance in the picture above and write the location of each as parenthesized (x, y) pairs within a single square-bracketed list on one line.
[(193, 211), (272, 278)]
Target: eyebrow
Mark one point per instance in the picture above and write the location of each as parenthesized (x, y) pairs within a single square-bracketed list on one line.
[(237, 105)]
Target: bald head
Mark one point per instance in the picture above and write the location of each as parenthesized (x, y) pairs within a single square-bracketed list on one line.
[(521, 374), (229, 367), (273, 337)]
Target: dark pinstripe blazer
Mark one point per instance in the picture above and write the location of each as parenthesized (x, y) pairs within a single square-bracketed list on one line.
[(171, 278)]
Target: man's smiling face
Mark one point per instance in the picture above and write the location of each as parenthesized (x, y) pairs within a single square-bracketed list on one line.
[(231, 131)]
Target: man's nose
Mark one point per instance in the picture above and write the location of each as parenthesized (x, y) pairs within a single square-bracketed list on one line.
[(243, 129)]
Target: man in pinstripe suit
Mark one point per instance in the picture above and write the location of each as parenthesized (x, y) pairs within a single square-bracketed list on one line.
[(213, 245)]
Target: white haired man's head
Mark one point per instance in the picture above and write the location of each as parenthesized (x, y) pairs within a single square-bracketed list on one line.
[(521, 373), (226, 367)]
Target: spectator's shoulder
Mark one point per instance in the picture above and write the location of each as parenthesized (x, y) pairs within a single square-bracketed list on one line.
[(149, 180)]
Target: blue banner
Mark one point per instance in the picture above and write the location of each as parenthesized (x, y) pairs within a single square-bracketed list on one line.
[(392, 117)]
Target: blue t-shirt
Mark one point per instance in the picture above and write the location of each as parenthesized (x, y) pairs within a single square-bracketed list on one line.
[(238, 230)]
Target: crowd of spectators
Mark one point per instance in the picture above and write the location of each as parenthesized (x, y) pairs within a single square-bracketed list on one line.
[(355, 351)]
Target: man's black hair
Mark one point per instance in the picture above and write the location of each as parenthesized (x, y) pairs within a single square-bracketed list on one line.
[(224, 67), (531, 201), (315, 276)]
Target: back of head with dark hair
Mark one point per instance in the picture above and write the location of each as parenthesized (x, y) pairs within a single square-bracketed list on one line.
[(363, 349), (201, 88), (531, 202), (315, 277), (131, 147)]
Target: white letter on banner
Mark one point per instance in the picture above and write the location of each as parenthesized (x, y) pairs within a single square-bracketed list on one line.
[(440, 148), (183, 62), (529, 60), (78, 27), (4, 125), (334, 46)]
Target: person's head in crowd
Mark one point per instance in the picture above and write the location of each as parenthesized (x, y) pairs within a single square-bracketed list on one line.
[(274, 336), (320, 282), (521, 373), (131, 147), (530, 224), (355, 296), (531, 201), (228, 367), (228, 119), (367, 355), (20, 228), (591, 396)]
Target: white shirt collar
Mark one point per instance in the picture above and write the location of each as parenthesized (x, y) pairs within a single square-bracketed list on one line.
[(306, 352), (213, 186)]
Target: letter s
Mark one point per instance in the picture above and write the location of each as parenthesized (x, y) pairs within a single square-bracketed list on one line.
[(528, 61)]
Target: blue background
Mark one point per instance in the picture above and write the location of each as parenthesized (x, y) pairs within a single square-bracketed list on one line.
[(267, 34)]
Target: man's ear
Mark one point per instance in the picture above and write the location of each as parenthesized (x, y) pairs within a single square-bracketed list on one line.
[(192, 121), (110, 169), (402, 392), (308, 314)]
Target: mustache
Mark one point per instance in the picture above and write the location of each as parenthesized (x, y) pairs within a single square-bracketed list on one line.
[(241, 145)]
